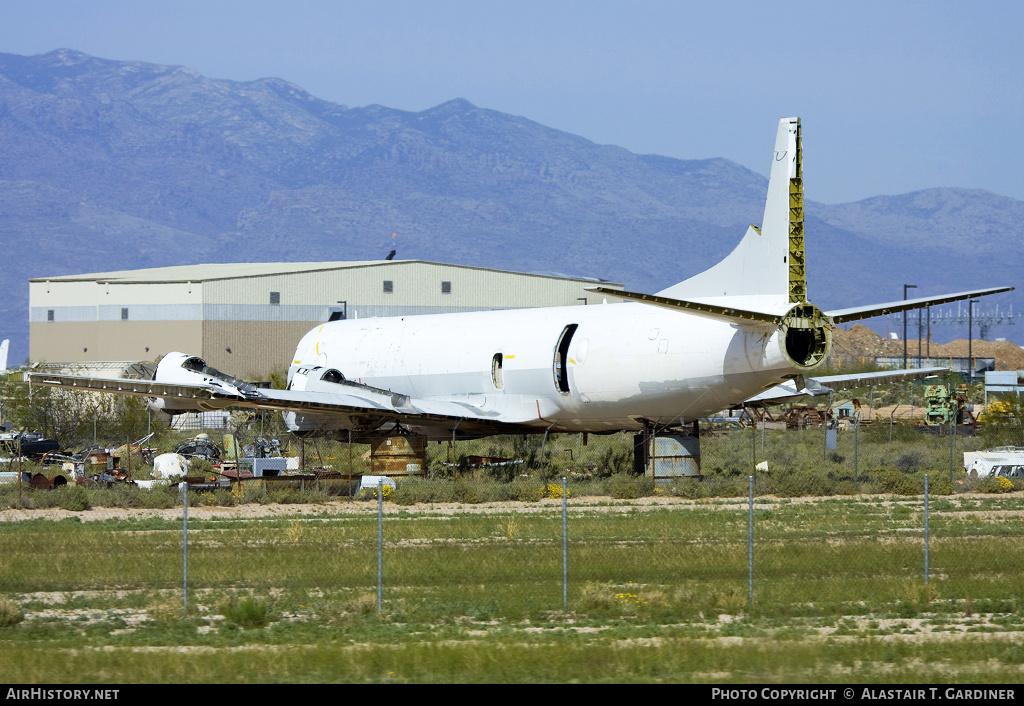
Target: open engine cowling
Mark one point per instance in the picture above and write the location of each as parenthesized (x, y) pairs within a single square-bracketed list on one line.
[(806, 335)]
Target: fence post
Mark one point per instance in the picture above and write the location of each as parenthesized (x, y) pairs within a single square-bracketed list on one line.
[(753, 445), (184, 547), (856, 448), (565, 548), (925, 529), (750, 544), (380, 543), (952, 444)]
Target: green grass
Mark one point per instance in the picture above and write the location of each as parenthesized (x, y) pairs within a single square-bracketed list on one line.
[(653, 590), (670, 656)]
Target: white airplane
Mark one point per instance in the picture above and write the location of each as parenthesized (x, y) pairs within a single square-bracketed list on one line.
[(740, 332)]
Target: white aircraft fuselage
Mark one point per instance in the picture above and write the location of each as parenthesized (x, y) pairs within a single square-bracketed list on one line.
[(581, 368)]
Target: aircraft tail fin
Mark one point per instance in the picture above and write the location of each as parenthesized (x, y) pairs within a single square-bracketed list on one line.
[(768, 264)]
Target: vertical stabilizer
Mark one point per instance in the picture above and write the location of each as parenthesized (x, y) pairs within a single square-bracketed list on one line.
[(767, 267), (789, 160)]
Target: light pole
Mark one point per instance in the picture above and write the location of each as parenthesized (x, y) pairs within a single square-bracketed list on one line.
[(919, 332), (905, 288), (970, 338), (929, 353)]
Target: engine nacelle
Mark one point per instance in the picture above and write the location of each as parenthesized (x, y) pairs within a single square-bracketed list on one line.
[(315, 378), (806, 335), (312, 378), (183, 369)]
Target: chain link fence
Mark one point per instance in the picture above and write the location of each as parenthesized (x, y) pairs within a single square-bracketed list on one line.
[(572, 552), (785, 520)]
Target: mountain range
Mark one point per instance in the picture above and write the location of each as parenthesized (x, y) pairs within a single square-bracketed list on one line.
[(110, 165)]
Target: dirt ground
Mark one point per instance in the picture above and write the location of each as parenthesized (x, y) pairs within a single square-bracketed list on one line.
[(347, 507), (860, 341), (595, 504)]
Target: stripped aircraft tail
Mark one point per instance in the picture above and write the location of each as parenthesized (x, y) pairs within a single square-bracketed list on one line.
[(763, 281), (767, 270)]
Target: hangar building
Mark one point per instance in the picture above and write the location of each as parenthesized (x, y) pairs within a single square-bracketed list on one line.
[(246, 319)]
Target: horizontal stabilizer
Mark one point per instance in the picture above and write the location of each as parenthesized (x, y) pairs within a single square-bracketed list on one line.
[(824, 384), (848, 382), (713, 311), (841, 316)]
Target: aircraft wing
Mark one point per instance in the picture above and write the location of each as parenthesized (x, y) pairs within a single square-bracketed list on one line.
[(823, 385), (209, 396), (369, 405)]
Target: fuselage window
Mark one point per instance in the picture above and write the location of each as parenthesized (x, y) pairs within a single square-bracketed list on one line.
[(561, 366), (496, 370)]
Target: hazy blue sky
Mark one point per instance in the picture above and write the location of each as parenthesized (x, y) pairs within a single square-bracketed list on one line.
[(894, 96)]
